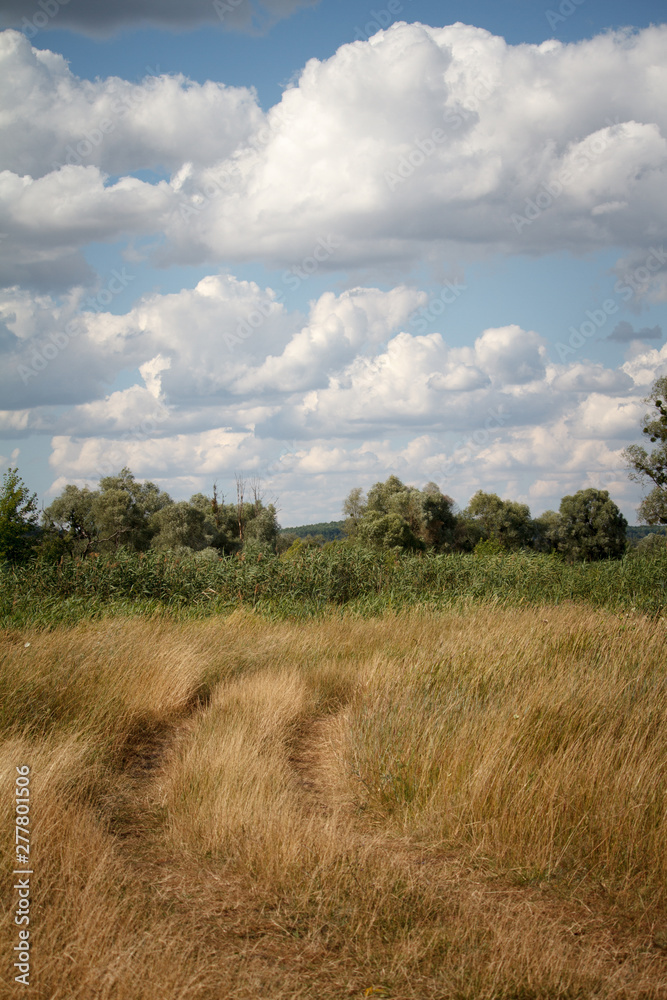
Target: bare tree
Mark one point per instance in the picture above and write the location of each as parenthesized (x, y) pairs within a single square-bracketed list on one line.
[(257, 493), (216, 505), (240, 493)]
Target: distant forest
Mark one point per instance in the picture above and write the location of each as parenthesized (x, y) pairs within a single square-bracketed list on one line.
[(331, 530), (328, 530)]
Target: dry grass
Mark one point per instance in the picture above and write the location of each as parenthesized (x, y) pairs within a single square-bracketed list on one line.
[(433, 806)]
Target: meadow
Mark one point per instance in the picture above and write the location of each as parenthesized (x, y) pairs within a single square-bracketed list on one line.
[(436, 779)]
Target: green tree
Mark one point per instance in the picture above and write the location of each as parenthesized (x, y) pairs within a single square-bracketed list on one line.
[(178, 524), (387, 531), (504, 521), (18, 518), (438, 518), (262, 524), (651, 468), (120, 512), (546, 528), (651, 545), (398, 516), (229, 527), (123, 510), (70, 517), (213, 510), (591, 526), (353, 508)]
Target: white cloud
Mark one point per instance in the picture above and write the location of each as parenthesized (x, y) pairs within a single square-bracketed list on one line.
[(111, 123), (419, 380), (421, 143), (425, 139), (338, 326), (646, 364), (421, 146), (607, 418), (204, 454), (591, 377), (347, 370), (39, 237)]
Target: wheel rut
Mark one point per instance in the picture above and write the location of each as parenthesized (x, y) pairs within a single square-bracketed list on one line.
[(128, 806), (313, 760)]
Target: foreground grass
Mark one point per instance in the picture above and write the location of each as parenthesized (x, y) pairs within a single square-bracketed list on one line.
[(314, 581), (427, 805)]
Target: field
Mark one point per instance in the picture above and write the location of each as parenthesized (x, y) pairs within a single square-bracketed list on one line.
[(462, 801)]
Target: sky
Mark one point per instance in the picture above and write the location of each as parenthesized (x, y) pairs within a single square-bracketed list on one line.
[(319, 243)]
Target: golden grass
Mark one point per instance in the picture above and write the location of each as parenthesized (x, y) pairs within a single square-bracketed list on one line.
[(427, 806)]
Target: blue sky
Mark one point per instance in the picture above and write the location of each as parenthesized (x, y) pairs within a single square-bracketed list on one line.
[(325, 242)]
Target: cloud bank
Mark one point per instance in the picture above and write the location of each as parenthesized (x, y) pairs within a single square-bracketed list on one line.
[(336, 396), (421, 144)]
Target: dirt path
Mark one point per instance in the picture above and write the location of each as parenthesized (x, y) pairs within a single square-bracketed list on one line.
[(313, 758), (263, 939), (129, 807)]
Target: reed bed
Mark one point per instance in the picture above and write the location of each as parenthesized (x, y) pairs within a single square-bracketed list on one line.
[(311, 583)]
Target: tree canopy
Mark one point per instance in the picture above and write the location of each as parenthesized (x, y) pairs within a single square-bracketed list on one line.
[(394, 515), (503, 521), (650, 469), (18, 517), (591, 526), (125, 512)]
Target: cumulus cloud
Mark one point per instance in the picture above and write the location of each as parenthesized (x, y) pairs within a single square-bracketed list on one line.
[(241, 341), (607, 417), (424, 139), (419, 144), (421, 381), (591, 377), (100, 19), (646, 364), (42, 242), (120, 127), (338, 327)]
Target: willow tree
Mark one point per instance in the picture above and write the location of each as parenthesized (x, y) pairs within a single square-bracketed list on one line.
[(650, 468)]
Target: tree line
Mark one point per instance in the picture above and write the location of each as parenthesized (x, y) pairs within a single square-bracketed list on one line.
[(123, 512), (588, 525)]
